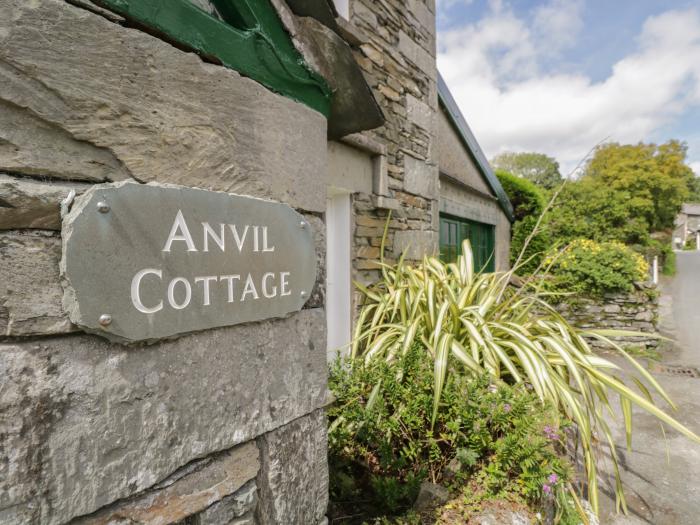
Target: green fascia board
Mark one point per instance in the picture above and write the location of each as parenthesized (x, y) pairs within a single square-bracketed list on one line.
[(469, 141), (263, 52)]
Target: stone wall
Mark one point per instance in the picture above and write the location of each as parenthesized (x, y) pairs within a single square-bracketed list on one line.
[(397, 55), (220, 426), (637, 311)]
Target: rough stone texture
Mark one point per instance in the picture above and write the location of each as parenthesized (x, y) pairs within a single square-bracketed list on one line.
[(416, 244), (28, 203), (34, 145), (86, 422), (214, 482), (293, 479), (418, 177), (30, 292), (318, 293), (431, 495), (637, 311), (353, 107), (398, 61), (234, 506), (155, 113)]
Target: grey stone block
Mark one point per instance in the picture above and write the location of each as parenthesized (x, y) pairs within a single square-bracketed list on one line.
[(233, 506), (35, 145), (353, 106), (156, 112), (27, 203), (30, 290), (188, 495), (420, 178), (318, 293), (293, 479), (431, 495), (416, 243), (86, 422), (421, 114), (423, 60)]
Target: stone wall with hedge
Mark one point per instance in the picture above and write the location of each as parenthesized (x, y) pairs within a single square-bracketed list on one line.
[(636, 311)]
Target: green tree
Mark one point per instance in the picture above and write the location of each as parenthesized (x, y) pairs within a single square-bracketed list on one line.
[(588, 209), (655, 179), (625, 193), (535, 167)]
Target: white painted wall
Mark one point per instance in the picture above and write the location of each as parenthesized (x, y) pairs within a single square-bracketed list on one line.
[(338, 271)]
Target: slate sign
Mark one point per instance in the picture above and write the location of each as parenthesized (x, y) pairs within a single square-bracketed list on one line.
[(143, 262)]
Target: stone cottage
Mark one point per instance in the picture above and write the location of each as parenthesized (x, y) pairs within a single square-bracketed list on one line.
[(142, 380), (423, 166), (687, 225)]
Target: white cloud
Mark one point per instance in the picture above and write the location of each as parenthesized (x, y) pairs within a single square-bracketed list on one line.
[(695, 166), (494, 70), (447, 4), (557, 24)]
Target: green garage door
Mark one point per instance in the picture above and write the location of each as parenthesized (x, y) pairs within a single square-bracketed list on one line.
[(453, 230)]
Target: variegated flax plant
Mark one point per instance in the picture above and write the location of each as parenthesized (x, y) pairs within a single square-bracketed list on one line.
[(475, 323)]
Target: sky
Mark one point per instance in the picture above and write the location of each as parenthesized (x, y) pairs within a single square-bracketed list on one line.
[(560, 76)]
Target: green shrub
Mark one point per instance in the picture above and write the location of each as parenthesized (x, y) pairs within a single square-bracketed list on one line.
[(384, 439), (528, 204), (592, 268), (661, 246), (470, 324), (536, 250), (527, 199), (668, 261)]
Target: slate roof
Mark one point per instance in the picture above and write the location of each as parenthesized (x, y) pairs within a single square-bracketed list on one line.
[(469, 141)]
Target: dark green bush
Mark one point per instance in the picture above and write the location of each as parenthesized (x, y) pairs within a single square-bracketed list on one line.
[(528, 204), (595, 269), (527, 199), (381, 447)]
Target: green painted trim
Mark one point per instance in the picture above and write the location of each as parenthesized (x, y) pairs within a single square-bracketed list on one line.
[(453, 230), (261, 49)]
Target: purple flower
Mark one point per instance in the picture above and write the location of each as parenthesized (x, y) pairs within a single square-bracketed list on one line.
[(553, 478), (507, 408), (550, 433), (546, 489)]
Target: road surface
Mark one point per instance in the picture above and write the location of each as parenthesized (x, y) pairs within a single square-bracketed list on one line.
[(661, 489)]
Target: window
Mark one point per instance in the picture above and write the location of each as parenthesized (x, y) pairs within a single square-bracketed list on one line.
[(453, 230)]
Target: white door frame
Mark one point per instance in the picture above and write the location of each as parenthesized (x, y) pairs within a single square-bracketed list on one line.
[(338, 271)]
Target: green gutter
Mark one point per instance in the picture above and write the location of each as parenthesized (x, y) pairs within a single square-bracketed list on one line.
[(469, 141), (263, 50)]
